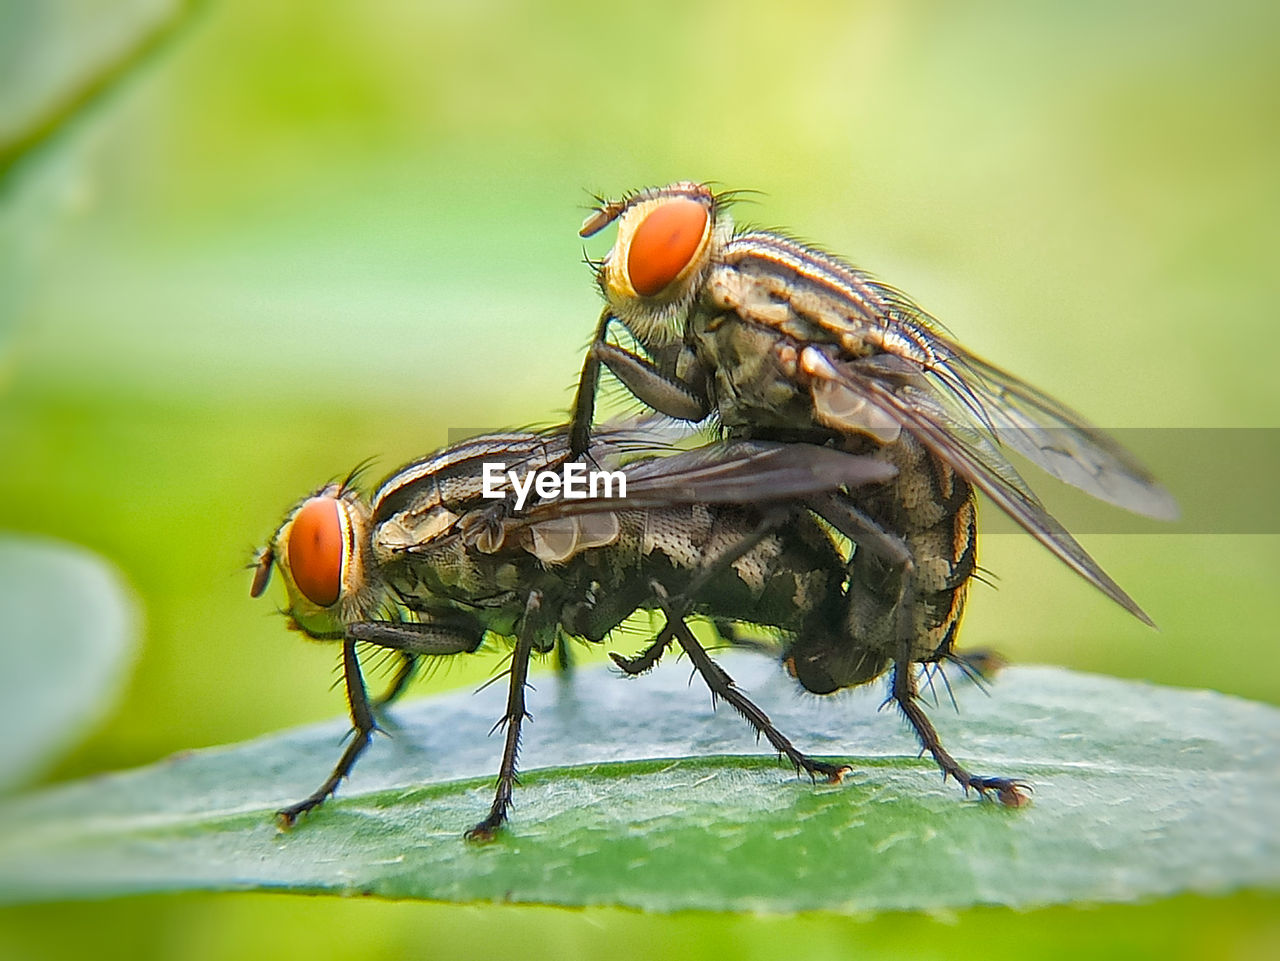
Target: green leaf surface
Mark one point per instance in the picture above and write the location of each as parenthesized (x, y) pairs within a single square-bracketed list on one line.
[(58, 61), (58, 58), (1141, 791), (67, 638)]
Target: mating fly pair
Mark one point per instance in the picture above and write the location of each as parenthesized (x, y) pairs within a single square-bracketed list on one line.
[(862, 563), (429, 565)]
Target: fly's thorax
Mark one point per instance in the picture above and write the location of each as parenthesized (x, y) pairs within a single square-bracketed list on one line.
[(755, 377), (777, 323), (493, 532), (484, 554), (449, 570), (446, 529), (485, 603), (668, 239), (763, 336), (323, 554), (803, 294), (422, 555), (452, 573), (454, 480)]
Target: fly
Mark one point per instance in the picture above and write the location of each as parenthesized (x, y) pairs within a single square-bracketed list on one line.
[(429, 565), (775, 339)]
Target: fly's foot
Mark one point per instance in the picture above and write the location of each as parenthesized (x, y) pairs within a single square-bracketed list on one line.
[(485, 832), (1009, 792), (839, 774), (831, 773), (642, 663), (288, 817)]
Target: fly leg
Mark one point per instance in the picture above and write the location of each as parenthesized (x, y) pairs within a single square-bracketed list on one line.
[(514, 717), (647, 659), (1010, 792), (666, 392), (716, 678), (584, 402), (668, 395), (876, 620), (563, 657), (732, 634), (722, 685), (410, 638), (363, 728), (414, 638), (868, 535)]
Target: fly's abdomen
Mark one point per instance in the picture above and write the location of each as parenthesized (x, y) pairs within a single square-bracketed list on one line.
[(932, 510), (789, 578), (754, 379)]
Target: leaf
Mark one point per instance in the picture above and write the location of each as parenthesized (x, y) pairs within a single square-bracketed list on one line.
[(58, 62), (1140, 792), (68, 629), (60, 58)]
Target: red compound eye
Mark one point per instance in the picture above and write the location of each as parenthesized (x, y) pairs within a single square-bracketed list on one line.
[(316, 550), (664, 244)]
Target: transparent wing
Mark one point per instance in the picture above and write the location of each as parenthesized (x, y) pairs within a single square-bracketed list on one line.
[(735, 472), (730, 472), (972, 452), (1051, 435), (785, 285)]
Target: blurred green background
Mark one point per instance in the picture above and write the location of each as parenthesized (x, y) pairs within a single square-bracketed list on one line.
[(302, 234)]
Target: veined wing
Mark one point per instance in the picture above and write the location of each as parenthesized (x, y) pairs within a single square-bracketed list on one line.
[(1051, 435), (730, 472), (737, 472), (734, 472), (974, 456), (454, 477), (786, 285)]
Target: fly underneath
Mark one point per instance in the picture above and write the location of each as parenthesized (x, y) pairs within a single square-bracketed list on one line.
[(742, 533)]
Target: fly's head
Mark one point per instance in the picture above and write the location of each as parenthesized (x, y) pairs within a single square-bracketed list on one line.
[(668, 239), (321, 552)]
